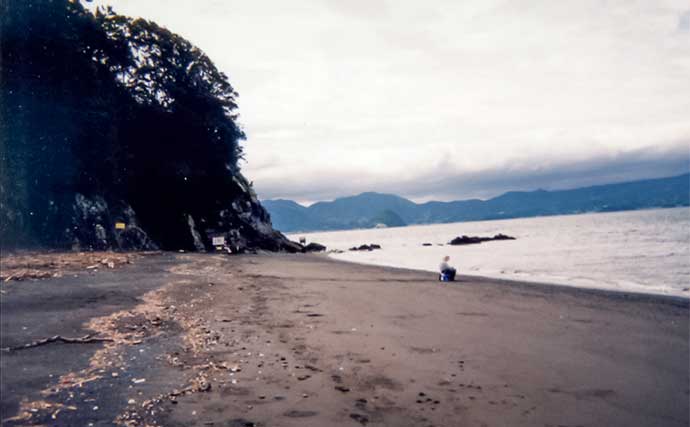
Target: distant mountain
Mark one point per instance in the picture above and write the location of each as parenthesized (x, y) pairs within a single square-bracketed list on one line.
[(388, 218), (288, 215), (366, 210)]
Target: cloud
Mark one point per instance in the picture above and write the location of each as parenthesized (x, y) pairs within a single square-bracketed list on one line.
[(447, 184), (338, 97), (684, 22)]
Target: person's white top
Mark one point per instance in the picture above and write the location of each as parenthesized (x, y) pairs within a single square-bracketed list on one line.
[(444, 266)]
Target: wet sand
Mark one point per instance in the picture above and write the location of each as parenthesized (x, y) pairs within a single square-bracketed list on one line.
[(297, 340)]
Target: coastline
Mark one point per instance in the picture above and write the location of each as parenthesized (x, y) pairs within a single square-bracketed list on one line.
[(295, 340), (633, 251), (545, 286)]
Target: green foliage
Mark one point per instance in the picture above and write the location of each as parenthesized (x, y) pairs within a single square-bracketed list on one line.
[(102, 104)]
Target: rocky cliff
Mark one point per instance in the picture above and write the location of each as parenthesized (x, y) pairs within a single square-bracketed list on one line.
[(117, 134)]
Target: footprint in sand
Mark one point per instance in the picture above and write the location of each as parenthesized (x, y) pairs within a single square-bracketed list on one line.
[(300, 414), (360, 418)]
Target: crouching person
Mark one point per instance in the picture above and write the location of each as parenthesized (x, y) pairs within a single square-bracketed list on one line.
[(447, 272)]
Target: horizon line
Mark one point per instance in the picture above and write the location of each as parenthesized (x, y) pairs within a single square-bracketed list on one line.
[(476, 198)]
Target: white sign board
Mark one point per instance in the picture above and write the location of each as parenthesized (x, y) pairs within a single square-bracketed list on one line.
[(219, 241)]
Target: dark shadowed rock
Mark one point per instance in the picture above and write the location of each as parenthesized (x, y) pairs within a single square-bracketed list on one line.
[(366, 247), (96, 225), (314, 247), (466, 240), (470, 240)]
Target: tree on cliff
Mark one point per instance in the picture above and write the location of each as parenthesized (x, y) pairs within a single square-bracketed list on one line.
[(107, 119)]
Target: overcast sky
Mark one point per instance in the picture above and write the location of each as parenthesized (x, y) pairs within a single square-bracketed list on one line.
[(446, 99)]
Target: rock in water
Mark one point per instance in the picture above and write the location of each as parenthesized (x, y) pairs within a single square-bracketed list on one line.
[(118, 134), (314, 247), (466, 240), (470, 240), (365, 247)]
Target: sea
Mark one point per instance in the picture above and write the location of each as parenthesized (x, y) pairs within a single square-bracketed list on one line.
[(646, 251)]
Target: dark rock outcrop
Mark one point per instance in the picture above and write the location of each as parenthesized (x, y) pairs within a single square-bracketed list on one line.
[(470, 240), (314, 247), (366, 247), (97, 226), (117, 134)]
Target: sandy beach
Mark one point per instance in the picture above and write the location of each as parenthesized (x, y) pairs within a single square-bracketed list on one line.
[(302, 340)]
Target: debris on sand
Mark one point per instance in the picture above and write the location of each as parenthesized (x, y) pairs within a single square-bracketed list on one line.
[(31, 408), (33, 265), (58, 338), (117, 331)]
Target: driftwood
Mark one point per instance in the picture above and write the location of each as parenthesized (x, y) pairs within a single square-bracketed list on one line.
[(86, 339)]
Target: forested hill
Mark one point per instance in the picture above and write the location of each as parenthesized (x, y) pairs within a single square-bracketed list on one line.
[(366, 210), (117, 133)]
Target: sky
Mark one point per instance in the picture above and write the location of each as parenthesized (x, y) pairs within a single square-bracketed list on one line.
[(446, 100)]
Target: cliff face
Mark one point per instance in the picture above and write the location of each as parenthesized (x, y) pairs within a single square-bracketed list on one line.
[(116, 133)]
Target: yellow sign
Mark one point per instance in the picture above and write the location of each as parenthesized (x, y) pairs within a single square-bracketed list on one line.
[(120, 225)]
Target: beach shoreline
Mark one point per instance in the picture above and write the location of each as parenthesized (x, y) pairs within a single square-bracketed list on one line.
[(643, 252), (633, 295), (289, 340)]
